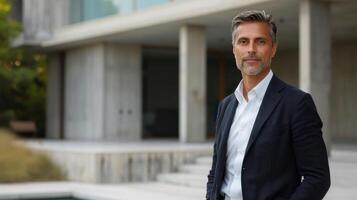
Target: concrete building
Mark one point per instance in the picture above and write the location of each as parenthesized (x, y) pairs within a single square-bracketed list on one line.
[(129, 70)]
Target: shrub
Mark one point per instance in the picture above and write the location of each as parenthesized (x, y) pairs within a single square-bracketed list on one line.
[(21, 164)]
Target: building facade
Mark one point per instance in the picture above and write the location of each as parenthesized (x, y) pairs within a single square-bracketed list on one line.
[(136, 69)]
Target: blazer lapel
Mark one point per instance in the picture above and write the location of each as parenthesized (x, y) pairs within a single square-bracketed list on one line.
[(226, 124), (270, 101)]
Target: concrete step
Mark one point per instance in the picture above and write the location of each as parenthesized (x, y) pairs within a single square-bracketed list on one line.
[(171, 190), (204, 161), (183, 179), (199, 169), (127, 191), (140, 191)]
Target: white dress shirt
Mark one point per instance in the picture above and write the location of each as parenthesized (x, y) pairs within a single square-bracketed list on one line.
[(239, 134)]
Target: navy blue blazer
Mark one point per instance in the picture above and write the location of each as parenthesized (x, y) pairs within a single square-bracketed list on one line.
[(285, 157)]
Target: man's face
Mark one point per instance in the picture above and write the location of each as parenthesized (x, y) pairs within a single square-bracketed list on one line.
[(253, 48)]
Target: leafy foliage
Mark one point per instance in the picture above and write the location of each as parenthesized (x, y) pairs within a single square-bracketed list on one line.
[(22, 76)]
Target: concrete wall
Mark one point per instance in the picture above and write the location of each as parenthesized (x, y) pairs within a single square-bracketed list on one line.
[(97, 165), (285, 66), (123, 88), (103, 92), (344, 93)]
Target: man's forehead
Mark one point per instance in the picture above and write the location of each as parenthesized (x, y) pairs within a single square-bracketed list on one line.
[(249, 29)]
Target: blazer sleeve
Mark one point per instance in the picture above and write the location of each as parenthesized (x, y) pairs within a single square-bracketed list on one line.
[(310, 151), (211, 173)]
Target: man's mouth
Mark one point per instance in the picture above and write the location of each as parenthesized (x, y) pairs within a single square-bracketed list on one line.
[(251, 60)]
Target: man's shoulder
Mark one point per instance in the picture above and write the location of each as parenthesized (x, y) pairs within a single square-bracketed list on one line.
[(228, 98), (226, 101), (291, 91)]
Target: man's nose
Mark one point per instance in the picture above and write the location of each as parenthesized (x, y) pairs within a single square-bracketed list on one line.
[(251, 48)]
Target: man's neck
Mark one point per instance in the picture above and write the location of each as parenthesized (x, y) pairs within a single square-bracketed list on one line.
[(249, 82)]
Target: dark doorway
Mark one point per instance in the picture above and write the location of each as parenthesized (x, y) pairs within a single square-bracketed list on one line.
[(160, 93)]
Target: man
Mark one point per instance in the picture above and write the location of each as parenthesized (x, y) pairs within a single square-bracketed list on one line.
[(268, 134)]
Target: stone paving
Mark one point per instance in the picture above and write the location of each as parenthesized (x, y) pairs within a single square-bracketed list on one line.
[(343, 165)]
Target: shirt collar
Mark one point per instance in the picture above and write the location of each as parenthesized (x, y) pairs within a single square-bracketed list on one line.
[(258, 91)]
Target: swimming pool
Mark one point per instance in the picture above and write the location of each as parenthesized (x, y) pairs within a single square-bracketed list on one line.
[(54, 198)]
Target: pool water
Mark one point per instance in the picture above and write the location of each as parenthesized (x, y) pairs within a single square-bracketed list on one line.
[(55, 198)]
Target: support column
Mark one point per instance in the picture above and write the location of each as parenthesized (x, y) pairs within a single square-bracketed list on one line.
[(84, 93), (192, 84), (315, 57), (54, 107), (103, 93)]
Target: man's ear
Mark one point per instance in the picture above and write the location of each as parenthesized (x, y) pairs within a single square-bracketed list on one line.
[(275, 47)]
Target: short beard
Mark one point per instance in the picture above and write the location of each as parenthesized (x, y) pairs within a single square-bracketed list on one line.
[(254, 72), (248, 72)]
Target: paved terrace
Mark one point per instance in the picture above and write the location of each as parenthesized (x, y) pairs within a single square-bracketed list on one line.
[(343, 164)]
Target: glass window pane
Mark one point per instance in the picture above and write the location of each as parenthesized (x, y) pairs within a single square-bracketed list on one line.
[(148, 3), (83, 10)]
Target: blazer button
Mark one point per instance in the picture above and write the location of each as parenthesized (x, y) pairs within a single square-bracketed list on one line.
[(243, 168)]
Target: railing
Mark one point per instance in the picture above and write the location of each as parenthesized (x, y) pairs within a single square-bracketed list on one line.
[(84, 10)]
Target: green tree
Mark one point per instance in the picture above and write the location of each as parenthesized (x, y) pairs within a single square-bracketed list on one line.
[(8, 30), (22, 76)]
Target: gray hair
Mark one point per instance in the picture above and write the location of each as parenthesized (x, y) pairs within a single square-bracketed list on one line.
[(254, 16)]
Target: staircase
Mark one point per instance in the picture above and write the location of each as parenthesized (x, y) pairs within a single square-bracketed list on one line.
[(189, 175), (188, 183)]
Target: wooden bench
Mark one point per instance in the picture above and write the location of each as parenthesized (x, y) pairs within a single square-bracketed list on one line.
[(24, 128)]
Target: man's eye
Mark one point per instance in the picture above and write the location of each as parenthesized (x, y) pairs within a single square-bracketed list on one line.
[(242, 41), (261, 42)]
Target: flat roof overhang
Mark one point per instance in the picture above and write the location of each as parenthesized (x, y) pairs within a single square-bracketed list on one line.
[(159, 26)]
